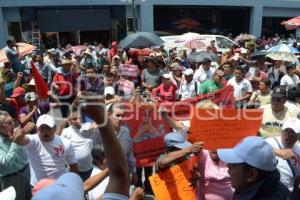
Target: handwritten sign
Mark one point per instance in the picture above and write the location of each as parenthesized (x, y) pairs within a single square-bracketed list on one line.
[(174, 184), (224, 128)]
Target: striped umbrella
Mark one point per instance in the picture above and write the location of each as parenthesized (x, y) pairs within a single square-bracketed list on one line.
[(292, 23), (141, 40)]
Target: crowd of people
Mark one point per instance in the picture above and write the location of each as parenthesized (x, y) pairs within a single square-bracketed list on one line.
[(54, 149)]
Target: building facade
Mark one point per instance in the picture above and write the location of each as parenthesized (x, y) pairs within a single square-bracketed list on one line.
[(76, 21)]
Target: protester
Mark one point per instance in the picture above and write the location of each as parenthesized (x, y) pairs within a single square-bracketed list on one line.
[(118, 184), (290, 79), (12, 54), (81, 138), (263, 95), (166, 91), (214, 183), (253, 177), (47, 153), (242, 88), (188, 87), (205, 71), (151, 75), (275, 114), (65, 85), (212, 85), (13, 159), (276, 73), (116, 113), (287, 151), (34, 109), (172, 78)]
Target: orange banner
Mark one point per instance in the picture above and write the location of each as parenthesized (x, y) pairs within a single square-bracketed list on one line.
[(174, 183), (224, 128), (147, 128)]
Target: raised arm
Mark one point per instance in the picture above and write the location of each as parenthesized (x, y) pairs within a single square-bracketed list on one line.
[(93, 181), (116, 161), (173, 157), (170, 121), (2, 92)]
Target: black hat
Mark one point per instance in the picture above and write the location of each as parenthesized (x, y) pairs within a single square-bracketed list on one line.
[(206, 60), (279, 91)]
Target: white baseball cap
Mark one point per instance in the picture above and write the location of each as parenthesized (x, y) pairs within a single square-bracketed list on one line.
[(109, 90), (67, 187), (254, 151), (188, 72), (292, 123), (167, 76), (45, 119), (8, 194)]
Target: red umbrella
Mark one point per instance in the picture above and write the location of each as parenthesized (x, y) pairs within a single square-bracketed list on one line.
[(195, 44), (292, 23)]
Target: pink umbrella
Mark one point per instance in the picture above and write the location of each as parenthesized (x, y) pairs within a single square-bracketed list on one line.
[(195, 44), (292, 24)]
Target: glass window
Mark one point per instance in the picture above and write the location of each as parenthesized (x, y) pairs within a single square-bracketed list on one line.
[(223, 42)]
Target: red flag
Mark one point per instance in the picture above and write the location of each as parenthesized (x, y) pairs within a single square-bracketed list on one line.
[(41, 87)]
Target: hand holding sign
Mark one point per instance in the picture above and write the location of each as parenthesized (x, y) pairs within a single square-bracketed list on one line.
[(174, 183)]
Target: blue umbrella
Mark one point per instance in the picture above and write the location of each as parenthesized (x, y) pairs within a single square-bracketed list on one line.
[(283, 48), (141, 40)]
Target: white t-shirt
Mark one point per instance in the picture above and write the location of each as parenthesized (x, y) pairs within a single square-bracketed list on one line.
[(286, 175), (48, 159), (82, 147), (99, 189), (289, 81), (201, 75), (188, 90), (241, 88), (294, 107)]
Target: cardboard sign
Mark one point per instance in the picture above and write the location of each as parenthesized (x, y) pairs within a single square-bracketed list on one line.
[(224, 128), (174, 183)]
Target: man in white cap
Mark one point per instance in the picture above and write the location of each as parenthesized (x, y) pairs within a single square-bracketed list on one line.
[(252, 170), (47, 152), (188, 87), (287, 149)]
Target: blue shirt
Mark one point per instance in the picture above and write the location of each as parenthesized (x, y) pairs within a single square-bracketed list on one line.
[(14, 60)]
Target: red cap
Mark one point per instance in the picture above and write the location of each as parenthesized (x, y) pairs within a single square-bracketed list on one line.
[(18, 92)]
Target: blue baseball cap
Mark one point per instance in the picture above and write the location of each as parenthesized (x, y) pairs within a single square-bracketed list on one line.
[(177, 140), (254, 151)]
